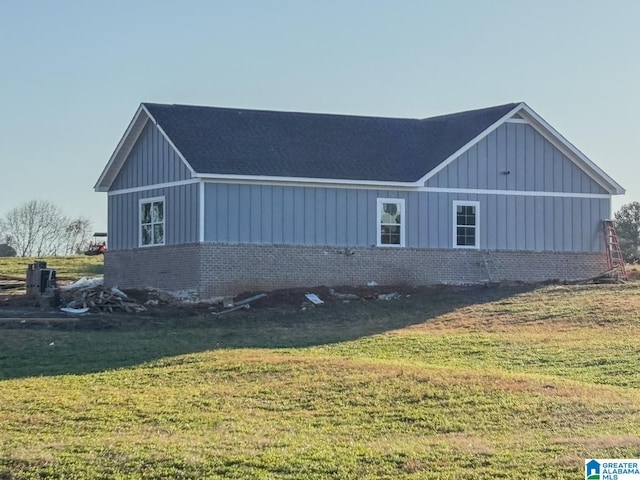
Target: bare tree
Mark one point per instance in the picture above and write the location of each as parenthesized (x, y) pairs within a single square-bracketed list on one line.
[(36, 228), (77, 235)]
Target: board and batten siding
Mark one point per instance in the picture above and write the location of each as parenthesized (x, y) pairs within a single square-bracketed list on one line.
[(533, 163), (244, 213), (180, 209), (152, 161)]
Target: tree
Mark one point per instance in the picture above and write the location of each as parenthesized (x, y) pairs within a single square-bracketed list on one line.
[(77, 235), (628, 229), (7, 250), (35, 228)]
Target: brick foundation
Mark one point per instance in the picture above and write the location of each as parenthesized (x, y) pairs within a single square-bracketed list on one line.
[(225, 269)]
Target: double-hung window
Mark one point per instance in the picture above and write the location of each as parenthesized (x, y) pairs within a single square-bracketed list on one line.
[(465, 224), (152, 221), (390, 222)]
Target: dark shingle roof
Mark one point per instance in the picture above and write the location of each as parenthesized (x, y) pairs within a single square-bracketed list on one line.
[(285, 144)]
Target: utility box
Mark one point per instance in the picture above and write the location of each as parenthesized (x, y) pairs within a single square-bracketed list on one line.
[(40, 278)]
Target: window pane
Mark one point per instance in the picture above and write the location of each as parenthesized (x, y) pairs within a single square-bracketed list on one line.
[(146, 234), (390, 214), (158, 233), (158, 212), (390, 208), (146, 213), (465, 236), (390, 235)]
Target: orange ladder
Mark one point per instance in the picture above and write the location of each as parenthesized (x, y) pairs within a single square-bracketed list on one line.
[(614, 255)]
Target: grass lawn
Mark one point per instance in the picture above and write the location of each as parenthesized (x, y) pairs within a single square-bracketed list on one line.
[(510, 382), (74, 266)]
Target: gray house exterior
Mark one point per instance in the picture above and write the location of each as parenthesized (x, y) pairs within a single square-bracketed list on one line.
[(224, 200)]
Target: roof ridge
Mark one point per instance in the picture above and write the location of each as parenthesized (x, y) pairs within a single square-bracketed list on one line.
[(329, 114)]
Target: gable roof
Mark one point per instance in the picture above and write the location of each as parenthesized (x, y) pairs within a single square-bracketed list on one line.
[(238, 143)]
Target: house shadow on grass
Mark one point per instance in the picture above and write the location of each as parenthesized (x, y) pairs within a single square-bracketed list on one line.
[(62, 346)]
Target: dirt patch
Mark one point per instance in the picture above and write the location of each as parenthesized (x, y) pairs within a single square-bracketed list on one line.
[(163, 304)]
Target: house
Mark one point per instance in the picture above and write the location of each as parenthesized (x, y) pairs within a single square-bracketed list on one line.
[(223, 200)]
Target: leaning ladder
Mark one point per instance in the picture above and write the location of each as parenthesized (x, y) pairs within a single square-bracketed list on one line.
[(614, 255)]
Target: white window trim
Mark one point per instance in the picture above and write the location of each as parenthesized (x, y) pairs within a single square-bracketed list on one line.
[(473, 203), (403, 219), (164, 220)]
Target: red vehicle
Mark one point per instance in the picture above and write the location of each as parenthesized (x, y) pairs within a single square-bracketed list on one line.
[(96, 247)]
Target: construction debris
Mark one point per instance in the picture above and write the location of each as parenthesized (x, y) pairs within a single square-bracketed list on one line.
[(241, 304), (388, 296), (84, 282), (104, 299), (313, 298), (343, 296), (9, 282)]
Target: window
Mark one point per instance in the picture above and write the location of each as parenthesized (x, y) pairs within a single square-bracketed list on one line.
[(152, 221), (390, 219), (465, 224)]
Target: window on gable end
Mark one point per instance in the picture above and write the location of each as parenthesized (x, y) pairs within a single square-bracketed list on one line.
[(390, 222)]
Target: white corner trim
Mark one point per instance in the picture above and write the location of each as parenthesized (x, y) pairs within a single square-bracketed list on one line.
[(201, 218), (145, 188), (475, 204), (469, 144), (403, 221)]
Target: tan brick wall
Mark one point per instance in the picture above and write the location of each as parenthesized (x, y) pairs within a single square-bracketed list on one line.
[(221, 269)]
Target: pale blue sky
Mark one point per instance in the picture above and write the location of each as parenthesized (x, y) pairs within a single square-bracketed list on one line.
[(73, 73)]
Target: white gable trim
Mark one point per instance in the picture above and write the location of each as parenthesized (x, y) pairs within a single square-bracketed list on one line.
[(468, 145), (128, 140), (579, 158), (166, 137), (549, 133), (126, 144)]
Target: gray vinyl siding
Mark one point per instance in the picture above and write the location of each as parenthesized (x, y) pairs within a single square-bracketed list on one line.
[(347, 217), (534, 163), (151, 161), (181, 216)]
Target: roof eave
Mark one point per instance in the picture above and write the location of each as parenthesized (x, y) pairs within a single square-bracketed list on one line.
[(304, 180)]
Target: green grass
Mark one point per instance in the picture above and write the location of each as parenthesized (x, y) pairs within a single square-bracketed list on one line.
[(465, 384), (72, 267)]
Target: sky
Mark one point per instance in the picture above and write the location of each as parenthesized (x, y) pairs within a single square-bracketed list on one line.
[(73, 73)]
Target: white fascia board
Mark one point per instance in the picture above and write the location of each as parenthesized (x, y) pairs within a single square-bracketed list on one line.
[(122, 150), (513, 193), (400, 187), (304, 181), (155, 186), (470, 144), (572, 152)]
